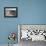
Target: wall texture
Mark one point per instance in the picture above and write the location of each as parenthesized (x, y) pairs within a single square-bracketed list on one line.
[(29, 12)]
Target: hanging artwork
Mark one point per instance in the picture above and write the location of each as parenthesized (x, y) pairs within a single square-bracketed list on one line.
[(10, 12)]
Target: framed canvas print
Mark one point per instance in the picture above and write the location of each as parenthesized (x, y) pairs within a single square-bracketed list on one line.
[(10, 12)]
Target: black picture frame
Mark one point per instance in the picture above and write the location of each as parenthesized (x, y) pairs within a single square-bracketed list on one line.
[(11, 10)]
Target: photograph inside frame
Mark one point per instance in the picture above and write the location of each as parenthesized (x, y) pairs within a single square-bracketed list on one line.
[(10, 11)]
